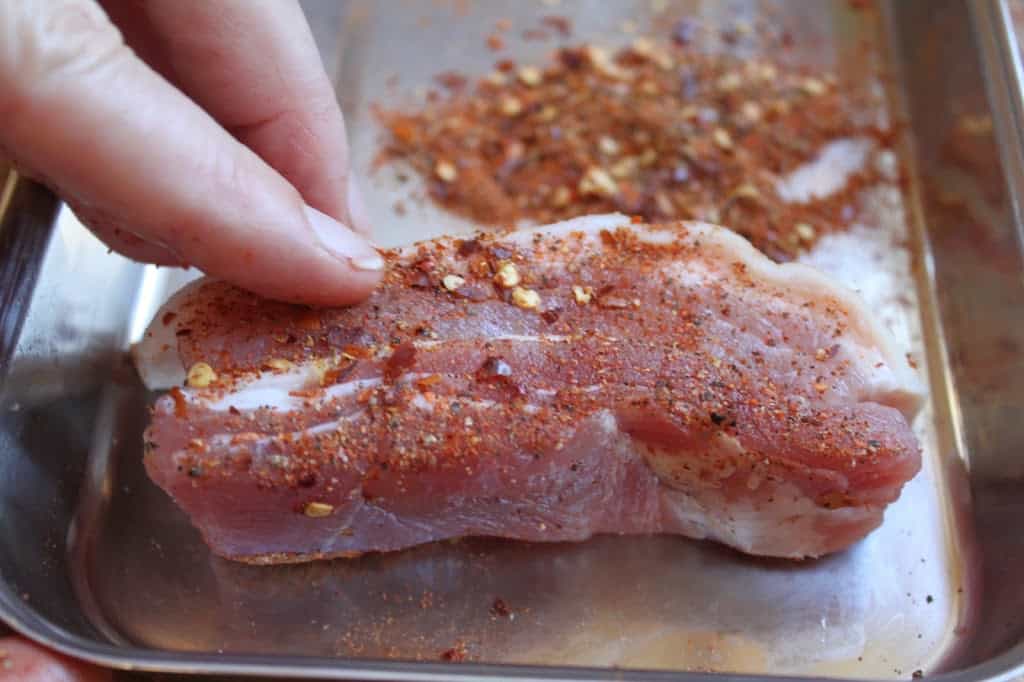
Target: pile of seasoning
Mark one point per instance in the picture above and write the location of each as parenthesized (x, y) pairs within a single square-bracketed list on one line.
[(659, 131)]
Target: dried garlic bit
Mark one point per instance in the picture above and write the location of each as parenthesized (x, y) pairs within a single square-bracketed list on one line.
[(625, 167), (648, 48), (596, 181), (510, 106), (650, 88), (813, 87), (496, 78), (722, 138), (446, 171), (530, 75), (318, 510), (279, 364), (821, 354), (780, 107), (583, 295), (561, 197), (525, 298), (746, 191), (452, 282), (751, 112), (648, 157), (664, 204), (608, 145), (200, 375), (729, 82), (507, 276), (547, 114), (804, 232), (604, 64)]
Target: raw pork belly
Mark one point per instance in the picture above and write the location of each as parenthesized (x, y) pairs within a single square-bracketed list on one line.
[(593, 376)]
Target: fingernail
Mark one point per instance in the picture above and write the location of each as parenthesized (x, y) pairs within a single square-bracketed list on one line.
[(357, 207), (342, 242)]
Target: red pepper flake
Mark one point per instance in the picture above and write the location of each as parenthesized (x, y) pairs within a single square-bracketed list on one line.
[(644, 147), (500, 608), (495, 43), (559, 23), (452, 80), (467, 247), (456, 654), (180, 404), (427, 382), (337, 374), (494, 369), (168, 318), (357, 351), (402, 358), (310, 322)]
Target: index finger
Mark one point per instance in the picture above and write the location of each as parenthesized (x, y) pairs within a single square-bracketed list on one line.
[(253, 65)]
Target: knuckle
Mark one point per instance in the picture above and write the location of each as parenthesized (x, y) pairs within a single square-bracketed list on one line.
[(43, 44)]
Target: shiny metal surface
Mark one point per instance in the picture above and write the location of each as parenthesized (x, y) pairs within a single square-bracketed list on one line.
[(98, 562)]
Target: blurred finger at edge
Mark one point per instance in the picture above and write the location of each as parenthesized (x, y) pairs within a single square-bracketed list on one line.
[(23, 661)]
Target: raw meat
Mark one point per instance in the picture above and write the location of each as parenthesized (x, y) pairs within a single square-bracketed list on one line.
[(593, 376)]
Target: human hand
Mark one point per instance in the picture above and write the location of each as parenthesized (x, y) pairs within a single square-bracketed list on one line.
[(185, 132), (217, 143), (24, 662)]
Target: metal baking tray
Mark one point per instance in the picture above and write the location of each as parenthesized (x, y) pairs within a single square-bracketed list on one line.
[(96, 562)]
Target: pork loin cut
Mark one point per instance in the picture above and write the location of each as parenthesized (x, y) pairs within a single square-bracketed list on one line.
[(593, 376)]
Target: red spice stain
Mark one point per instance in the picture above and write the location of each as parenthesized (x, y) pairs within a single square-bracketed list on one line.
[(180, 404)]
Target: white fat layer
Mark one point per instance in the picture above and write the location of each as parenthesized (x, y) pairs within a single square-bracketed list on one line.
[(792, 526), (827, 173), (156, 355), (234, 442), (514, 338), (272, 391)]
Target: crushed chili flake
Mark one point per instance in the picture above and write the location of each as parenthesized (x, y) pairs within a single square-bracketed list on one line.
[(559, 23), (456, 654), (657, 130), (500, 608)]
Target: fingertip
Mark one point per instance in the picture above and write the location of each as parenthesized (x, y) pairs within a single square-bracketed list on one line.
[(332, 266), (337, 284), (343, 243)]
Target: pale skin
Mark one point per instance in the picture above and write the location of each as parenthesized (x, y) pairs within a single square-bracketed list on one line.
[(185, 132)]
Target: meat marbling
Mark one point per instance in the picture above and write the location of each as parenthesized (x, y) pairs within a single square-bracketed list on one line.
[(592, 376)]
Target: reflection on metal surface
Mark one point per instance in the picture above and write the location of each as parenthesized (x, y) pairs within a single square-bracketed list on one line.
[(8, 181), (138, 588)]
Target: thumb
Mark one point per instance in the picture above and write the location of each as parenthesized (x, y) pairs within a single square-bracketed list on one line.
[(136, 157)]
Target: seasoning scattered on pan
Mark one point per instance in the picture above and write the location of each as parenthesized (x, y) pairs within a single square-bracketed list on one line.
[(656, 130)]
